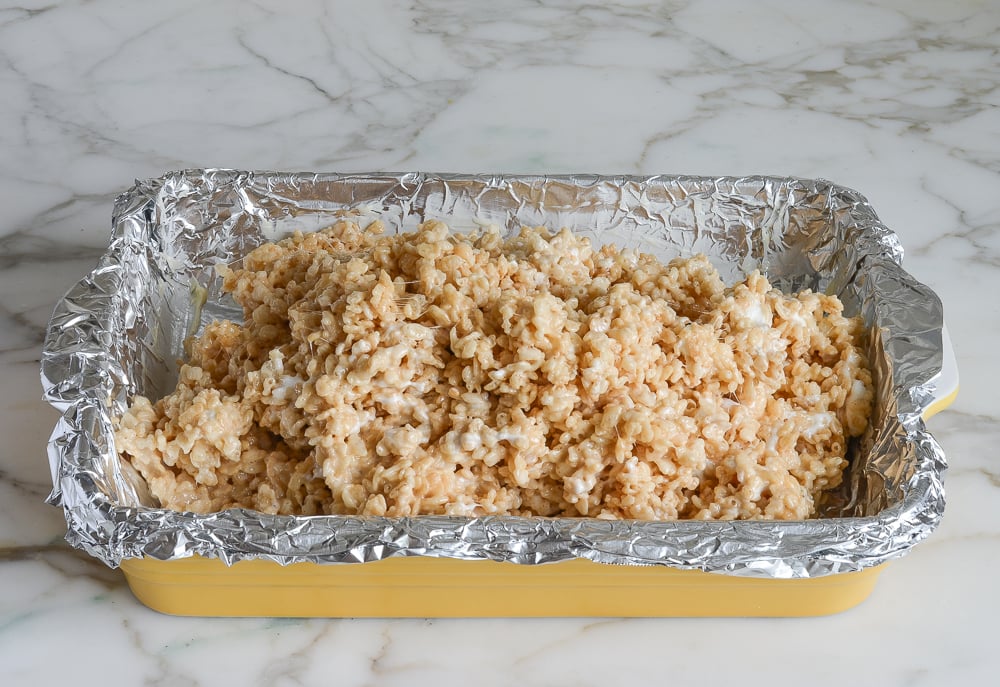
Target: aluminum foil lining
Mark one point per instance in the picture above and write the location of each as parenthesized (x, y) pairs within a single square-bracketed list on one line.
[(120, 330)]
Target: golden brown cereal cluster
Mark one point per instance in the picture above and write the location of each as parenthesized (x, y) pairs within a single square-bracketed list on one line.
[(430, 373)]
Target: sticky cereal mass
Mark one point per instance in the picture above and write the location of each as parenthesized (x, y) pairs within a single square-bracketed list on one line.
[(438, 373)]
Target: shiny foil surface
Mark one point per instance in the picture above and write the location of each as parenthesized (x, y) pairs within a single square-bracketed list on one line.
[(120, 331)]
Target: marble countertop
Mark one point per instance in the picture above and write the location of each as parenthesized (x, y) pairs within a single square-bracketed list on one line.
[(897, 99)]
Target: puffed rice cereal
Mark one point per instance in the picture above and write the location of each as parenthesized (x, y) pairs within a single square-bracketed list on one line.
[(439, 373)]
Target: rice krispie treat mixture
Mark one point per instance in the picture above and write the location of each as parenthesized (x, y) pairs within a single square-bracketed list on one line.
[(439, 373)]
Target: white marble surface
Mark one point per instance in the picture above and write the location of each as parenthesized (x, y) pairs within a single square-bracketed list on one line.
[(898, 99)]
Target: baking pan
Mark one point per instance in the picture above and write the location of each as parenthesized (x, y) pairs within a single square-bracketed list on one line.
[(121, 329)]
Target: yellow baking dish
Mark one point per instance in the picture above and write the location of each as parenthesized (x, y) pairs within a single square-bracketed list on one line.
[(119, 329), (446, 588)]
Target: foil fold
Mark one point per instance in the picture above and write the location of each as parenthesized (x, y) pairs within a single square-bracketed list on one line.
[(119, 331)]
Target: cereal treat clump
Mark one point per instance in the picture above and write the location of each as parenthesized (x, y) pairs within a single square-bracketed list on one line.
[(439, 373)]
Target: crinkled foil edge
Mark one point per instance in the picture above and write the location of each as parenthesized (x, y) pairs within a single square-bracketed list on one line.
[(83, 378)]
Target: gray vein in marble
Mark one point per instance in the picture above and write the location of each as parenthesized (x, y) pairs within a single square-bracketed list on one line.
[(26, 263), (988, 476), (22, 14), (978, 432), (293, 665), (823, 91), (29, 334), (992, 476), (26, 246), (377, 668), (378, 138), (58, 212), (380, 665), (366, 106), (131, 39), (86, 136), (241, 39), (567, 640), (165, 671), (66, 561), (981, 237), (34, 489)]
